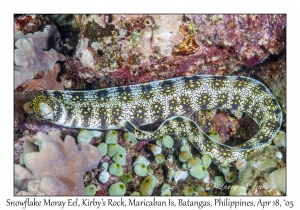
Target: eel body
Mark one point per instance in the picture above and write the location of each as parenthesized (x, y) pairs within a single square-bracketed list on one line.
[(166, 100)]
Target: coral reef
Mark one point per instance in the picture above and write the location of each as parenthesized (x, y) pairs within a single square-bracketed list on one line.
[(225, 126), (57, 168), (273, 74), (232, 32), (35, 53), (47, 82), (259, 176), (277, 179), (31, 23), (131, 49), (280, 139), (85, 52)]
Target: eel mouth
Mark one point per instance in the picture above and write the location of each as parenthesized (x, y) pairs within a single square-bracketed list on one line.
[(46, 111)]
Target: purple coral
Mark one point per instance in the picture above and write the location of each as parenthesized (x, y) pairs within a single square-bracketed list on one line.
[(33, 54), (226, 126), (58, 163), (248, 38)]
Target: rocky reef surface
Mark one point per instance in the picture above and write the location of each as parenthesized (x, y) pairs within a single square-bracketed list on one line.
[(86, 52)]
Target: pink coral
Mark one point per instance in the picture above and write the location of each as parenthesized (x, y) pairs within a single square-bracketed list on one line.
[(31, 23), (47, 82), (245, 36), (34, 54), (225, 125), (58, 163), (177, 45)]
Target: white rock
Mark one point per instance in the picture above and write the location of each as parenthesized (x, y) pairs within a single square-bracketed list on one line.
[(241, 164), (167, 35), (277, 180), (206, 178), (279, 155), (97, 133), (155, 150), (280, 139), (86, 57), (180, 175), (104, 166), (103, 177)]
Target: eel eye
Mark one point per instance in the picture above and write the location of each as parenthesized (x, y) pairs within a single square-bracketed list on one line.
[(46, 111)]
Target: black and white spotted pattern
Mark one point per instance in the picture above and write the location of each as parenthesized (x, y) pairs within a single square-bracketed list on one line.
[(141, 104)]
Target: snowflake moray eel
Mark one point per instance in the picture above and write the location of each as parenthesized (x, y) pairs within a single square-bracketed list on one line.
[(165, 101)]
